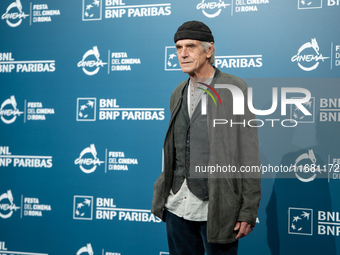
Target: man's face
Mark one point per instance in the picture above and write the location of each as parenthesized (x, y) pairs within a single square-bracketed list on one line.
[(191, 56)]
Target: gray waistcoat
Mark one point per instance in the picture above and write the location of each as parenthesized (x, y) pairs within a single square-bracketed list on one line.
[(192, 148)]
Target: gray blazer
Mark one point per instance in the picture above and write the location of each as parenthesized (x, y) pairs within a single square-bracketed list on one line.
[(233, 196)]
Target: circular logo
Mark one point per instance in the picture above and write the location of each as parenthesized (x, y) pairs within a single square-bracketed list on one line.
[(4, 111), (91, 63), (211, 5), (308, 54), (86, 250), (88, 161), (306, 169), (8, 16), (7, 207)]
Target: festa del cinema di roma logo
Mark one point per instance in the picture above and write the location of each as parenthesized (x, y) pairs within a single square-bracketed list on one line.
[(88, 250), (305, 156), (312, 55), (91, 66), (11, 114), (4, 207), (238, 103), (85, 250), (14, 14), (94, 161), (211, 6)]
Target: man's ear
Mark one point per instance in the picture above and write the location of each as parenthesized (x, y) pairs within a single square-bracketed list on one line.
[(210, 50)]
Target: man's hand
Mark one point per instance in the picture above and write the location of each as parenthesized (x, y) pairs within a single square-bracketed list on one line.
[(244, 228)]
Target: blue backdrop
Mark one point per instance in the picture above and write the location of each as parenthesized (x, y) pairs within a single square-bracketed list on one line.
[(84, 95)]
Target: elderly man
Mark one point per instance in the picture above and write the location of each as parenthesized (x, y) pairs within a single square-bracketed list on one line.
[(206, 212)]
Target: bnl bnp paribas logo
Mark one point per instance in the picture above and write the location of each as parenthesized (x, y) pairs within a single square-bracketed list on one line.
[(300, 221), (309, 4), (83, 207), (14, 14), (113, 9), (297, 115), (171, 59), (86, 109), (7, 205), (92, 10), (90, 208), (110, 110), (315, 4), (9, 111), (308, 56), (232, 61)]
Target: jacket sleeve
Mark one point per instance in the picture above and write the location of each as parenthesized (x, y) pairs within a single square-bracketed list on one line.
[(158, 200), (249, 159)]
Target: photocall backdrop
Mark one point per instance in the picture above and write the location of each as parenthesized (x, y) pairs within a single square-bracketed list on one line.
[(85, 89)]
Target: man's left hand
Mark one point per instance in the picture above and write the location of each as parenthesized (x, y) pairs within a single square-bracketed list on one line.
[(244, 228)]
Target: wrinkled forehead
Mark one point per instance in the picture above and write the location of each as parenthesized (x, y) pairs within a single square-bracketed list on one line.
[(186, 42)]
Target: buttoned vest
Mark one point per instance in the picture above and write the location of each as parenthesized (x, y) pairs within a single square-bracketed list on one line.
[(191, 148)]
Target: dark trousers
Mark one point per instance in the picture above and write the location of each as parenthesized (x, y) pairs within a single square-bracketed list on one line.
[(190, 238)]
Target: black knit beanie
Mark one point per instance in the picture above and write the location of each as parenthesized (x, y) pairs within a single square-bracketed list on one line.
[(194, 30)]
